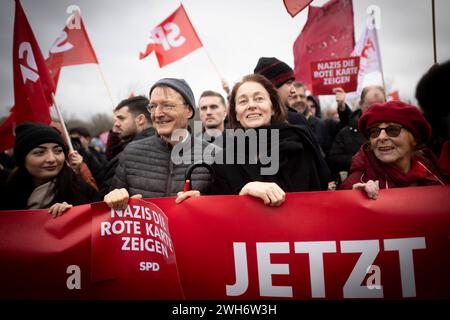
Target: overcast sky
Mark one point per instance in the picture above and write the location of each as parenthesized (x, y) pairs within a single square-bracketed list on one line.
[(235, 34)]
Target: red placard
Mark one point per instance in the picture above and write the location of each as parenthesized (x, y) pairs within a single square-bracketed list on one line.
[(327, 34), (335, 73)]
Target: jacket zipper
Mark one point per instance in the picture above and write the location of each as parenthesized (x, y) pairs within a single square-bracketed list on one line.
[(169, 180)]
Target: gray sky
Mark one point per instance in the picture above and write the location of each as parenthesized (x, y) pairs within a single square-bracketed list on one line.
[(235, 34)]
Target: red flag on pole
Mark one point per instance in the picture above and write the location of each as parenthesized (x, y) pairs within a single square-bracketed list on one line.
[(72, 47), (172, 39), (393, 95), (33, 85), (327, 34), (293, 7), (7, 133)]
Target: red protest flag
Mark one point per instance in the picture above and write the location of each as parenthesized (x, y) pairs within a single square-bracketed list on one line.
[(7, 133), (172, 39), (327, 34), (394, 95), (72, 47), (33, 85), (293, 7)]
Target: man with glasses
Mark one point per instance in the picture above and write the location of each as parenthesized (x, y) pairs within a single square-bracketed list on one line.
[(149, 167), (297, 100)]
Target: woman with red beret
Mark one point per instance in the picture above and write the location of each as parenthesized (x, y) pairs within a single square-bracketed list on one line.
[(395, 155)]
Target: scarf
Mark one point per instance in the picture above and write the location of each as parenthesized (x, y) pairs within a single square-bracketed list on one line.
[(42, 196), (424, 170)]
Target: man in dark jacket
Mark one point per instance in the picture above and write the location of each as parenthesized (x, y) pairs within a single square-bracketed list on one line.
[(132, 122), (156, 166)]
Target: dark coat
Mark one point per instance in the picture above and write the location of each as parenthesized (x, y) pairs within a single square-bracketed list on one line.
[(318, 129), (301, 166), (69, 188), (296, 118), (346, 144), (148, 167)]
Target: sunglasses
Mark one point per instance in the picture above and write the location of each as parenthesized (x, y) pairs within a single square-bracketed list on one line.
[(392, 131)]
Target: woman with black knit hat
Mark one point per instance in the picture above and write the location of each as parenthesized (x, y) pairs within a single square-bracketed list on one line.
[(395, 155), (42, 178)]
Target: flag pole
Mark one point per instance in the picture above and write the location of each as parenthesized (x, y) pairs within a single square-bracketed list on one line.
[(212, 62), (374, 25), (63, 125), (106, 85), (434, 31), (207, 54)]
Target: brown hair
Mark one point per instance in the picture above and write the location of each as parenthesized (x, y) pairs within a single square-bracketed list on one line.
[(210, 93), (279, 112)]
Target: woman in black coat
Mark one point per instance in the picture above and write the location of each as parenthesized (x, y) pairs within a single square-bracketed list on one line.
[(277, 157), (42, 178)]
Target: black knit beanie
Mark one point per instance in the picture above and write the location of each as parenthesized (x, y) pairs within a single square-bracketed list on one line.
[(275, 70), (31, 134), (180, 86)]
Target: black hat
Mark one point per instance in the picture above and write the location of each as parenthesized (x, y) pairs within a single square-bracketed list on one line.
[(31, 134), (182, 87), (275, 70)]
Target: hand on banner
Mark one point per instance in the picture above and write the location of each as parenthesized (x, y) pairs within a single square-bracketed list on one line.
[(75, 161), (269, 192), (181, 196), (371, 188), (340, 98), (59, 208), (118, 199)]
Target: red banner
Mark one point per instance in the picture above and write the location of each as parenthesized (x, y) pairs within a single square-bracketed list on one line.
[(327, 34), (334, 73), (317, 245), (91, 252), (173, 38)]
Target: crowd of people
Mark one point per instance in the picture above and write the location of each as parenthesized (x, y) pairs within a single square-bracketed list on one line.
[(265, 138)]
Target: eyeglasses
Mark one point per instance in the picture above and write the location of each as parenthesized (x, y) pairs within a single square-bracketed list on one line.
[(164, 107), (392, 131)]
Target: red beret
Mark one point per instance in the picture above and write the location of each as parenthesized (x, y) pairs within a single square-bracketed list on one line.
[(399, 112)]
